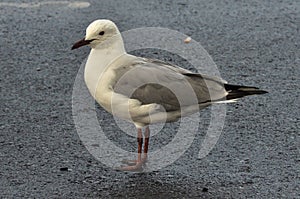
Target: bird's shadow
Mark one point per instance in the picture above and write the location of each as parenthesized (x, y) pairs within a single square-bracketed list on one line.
[(149, 185)]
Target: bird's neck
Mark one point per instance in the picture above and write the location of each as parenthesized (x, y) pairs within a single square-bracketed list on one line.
[(100, 58)]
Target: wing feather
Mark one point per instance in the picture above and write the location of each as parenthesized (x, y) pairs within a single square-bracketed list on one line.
[(154, 81)]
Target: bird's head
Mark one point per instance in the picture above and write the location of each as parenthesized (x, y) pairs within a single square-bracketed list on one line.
[(97, 32)]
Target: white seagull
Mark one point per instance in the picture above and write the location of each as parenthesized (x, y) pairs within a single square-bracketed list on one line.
[(146, 91)]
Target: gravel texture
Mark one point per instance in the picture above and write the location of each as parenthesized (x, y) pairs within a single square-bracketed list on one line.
[(252, 43)]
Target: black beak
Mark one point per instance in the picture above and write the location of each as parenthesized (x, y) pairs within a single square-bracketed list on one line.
[(80, 43)]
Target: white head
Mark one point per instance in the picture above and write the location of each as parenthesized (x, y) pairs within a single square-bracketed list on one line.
[(97, 32)]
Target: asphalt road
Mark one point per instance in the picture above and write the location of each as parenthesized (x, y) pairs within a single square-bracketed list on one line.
[(252, 43)]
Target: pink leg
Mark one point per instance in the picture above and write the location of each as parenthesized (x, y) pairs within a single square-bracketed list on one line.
[(147, 136), (136, 165)]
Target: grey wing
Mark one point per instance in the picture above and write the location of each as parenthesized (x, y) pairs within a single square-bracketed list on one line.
[(153, 81)]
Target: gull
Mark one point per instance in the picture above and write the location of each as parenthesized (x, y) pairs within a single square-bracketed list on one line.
[(146, 91)]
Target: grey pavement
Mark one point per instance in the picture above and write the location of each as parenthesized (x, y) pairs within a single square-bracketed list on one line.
[(252, 42)]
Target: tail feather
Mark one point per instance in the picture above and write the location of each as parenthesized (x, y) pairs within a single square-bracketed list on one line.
[(237, 91)]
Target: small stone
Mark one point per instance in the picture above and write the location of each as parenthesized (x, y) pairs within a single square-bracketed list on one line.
[(205, 189), (64, 169), (187, 40)]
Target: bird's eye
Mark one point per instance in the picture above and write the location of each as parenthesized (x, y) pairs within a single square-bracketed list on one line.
[(101, 33)]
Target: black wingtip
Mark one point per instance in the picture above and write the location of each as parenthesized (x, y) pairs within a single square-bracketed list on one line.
[(237, 91), (262, 92)]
